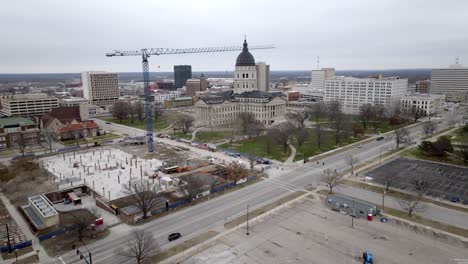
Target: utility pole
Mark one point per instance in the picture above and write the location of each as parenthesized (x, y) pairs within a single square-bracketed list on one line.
[(248, 220), (383, 199), (380, 155), (8, 239), (352, 216)]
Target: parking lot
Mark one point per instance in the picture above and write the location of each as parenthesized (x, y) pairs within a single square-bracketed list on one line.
[(447, 181), (308, 232)]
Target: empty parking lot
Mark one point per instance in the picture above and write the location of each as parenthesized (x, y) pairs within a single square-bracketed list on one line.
[(447, 181)]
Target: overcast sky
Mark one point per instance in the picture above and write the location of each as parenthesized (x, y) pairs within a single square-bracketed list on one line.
[(55, 36)]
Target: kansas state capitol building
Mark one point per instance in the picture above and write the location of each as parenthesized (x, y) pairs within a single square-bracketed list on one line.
[(250, 94)]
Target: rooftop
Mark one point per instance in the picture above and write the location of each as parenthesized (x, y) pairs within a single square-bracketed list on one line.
[(78, 126), (13, 121), (43, 205)]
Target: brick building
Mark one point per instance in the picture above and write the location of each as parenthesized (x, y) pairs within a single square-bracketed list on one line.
[(15, 131)]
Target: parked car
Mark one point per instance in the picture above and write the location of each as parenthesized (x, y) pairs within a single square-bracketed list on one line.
[(108, 123), (174, 236), (380, 138), (359, 146), (455, 199)]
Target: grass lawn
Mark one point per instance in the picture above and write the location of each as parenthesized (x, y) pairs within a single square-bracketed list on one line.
[(182, 135), (460, 135), (415, 153), (259, 147), (310, 147), (213, 136), (161, 123)]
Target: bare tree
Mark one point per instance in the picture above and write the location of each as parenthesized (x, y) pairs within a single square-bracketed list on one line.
[(402, 135), (49, 138), (120, 111), (416, 113), (342, 127), (245, 119), (236, 171), (366, 114), (421, 183), (158, 111), (185, 124), (194, 185), (379, 115), (330, 179), (461, 150), (252, 160), (388, 181), (351, 160), (334, 111), (411, 204), (269, 141), (142, 245), (143, 195), (254, 129), (214, 181), (82, 222), (282, 134), (139, 109), (318, 110), (297, 118), (429, 128), (301, 136), (21, 144), (131, 112)]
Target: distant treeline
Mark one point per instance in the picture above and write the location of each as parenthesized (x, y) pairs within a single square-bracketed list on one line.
[(412, 74)]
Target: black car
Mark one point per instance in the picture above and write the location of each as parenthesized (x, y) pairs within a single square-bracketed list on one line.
[(174, 236), (380, 138)]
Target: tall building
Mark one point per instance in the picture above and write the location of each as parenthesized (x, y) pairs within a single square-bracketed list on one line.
[(28, 104), (318, 78), (263, 76), (452, 81), (100, 88), (352, 92), (196, 85), (423, 86), (245, 74), (181, 74)]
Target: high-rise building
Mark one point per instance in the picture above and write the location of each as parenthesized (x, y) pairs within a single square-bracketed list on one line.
[(28, 104), (195, 85), (263, 76), (100, 88), (452, 81), (181, 74), (318, 78), (422, 86), (245, 74), (352, 92)]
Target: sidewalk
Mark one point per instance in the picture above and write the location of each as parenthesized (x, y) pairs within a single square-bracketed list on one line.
[(24, 228), (292, 156)]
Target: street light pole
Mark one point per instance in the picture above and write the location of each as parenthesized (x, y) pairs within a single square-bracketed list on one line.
[(380, 155), (352, 216), (248, 220)]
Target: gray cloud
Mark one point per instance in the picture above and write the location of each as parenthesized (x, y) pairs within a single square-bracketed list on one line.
[(73, 36)]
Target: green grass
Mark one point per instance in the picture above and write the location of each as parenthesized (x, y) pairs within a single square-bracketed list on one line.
[(460, 135), (259, 147), (161, 123), (213, 136), (310, 147), (182, 135)]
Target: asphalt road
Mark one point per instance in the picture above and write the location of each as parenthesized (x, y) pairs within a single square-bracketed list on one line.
[(212, 214)]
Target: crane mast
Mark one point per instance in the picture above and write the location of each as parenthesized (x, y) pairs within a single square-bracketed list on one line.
[(145, 54)]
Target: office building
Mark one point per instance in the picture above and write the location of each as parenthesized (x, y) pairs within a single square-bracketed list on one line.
[(318, 77), (178, 102), (181, 74), (422, 86), (161, 96), (100, 88), (452, 81), (169, 86), (223, 109), (28, 104), (263, 76), (196, 85), (352, 92), (431, 104), (16, 131)]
